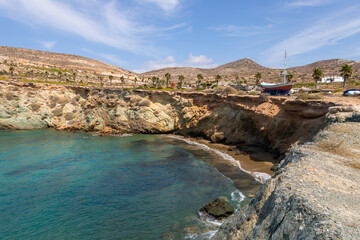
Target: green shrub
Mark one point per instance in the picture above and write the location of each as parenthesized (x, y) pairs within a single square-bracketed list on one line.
[(299, 85)]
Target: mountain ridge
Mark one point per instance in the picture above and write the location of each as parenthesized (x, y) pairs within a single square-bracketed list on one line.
[(245, 69)]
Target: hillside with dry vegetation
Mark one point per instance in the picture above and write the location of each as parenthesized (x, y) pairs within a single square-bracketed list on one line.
[(33, 65), (244, 71), (57, 67)]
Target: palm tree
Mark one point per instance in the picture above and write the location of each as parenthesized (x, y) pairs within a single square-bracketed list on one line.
[(317, 76), (46, 76), (237, 80), (111, 77), (157, 81), (122, 79), (346, 72), (153, 79), (217, 78), (258, 77), (135, 80), (199, 77), (11, 69), (289, 76), (168, 77), (181, 79), (101, 80)]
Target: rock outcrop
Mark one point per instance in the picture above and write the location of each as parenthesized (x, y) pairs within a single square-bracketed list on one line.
[(313, 195), (275, 123), (219, 209)]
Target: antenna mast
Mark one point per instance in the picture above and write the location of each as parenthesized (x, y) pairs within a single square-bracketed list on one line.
[(285, 67)]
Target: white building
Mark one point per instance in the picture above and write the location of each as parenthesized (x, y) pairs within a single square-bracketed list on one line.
[(332, 79)]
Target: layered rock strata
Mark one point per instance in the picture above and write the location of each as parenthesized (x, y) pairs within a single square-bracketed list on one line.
[(275, 123), (313, 195)]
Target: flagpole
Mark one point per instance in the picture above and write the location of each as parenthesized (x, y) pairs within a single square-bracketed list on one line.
[(285, 68)]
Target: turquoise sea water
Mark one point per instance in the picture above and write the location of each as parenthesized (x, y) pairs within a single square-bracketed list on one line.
[(57, 185)]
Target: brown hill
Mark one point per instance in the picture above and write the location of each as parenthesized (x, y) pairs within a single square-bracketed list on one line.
[(246, 69), (85, 69), (329, 68), (48, 65)]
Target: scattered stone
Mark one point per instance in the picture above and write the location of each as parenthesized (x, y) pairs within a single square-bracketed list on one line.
[(167, 236), (191, 230), (220, 209), (275, 167)]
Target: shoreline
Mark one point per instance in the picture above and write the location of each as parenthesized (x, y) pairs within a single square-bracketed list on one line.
[(243, 160)]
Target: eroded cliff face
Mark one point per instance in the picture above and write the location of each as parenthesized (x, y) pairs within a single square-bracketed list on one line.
[(314, 195), (275, 123)]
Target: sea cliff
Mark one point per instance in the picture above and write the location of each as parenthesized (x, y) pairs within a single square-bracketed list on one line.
[(315, 192)]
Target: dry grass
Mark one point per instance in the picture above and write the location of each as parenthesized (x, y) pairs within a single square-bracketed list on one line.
[(144, 102), (354, 165), (57, 112), (340, 128), (241, 93), (69, 116), (35, 107), (52, 104), (307, 96), (229, 90), (219, 89), (332, 145), (9, 96)]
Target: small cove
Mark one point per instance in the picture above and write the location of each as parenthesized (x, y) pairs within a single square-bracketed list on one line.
[(59, 185)]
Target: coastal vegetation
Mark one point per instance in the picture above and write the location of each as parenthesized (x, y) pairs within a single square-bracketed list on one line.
[(63, 74), (346, 72), (317, 75)]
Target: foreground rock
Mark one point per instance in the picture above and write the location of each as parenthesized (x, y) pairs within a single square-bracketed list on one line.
[(220, 209), (314, 195)]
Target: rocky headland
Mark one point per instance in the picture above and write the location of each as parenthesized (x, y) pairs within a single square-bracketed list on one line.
[(314, 194)]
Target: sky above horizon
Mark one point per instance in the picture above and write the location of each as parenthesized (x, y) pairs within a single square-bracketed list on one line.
[(143, 35)]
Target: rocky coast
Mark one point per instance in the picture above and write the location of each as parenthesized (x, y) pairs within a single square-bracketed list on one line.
[(314, 194)]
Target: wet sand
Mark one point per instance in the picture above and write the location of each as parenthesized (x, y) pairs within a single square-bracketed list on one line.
[(247, 171)]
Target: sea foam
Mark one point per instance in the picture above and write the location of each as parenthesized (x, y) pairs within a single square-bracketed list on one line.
[(260, 177)]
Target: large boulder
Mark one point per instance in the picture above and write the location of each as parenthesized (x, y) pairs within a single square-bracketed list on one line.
[(220, 209)]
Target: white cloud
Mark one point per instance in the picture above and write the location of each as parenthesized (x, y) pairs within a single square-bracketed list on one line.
[(48, 44), (241, 31), (200, 61), (308, 3), (167, 5), (111, 58), (93, 20), (326, 32)]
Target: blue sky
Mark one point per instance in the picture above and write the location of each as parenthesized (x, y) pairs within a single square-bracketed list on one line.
[(143, 35)]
